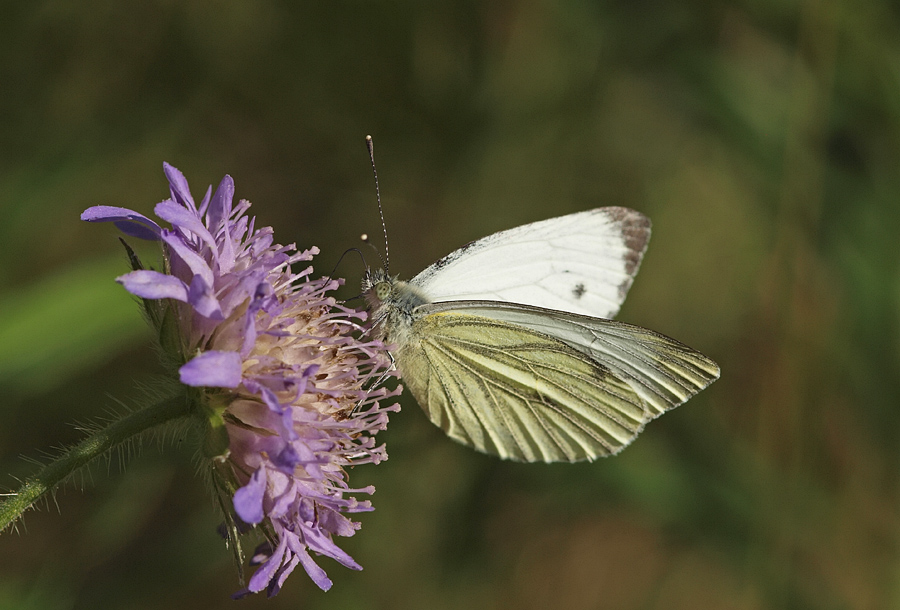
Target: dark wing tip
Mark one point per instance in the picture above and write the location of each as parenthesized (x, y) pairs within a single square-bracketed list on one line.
[(635, 228)]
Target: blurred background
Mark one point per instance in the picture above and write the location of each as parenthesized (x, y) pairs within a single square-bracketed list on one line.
[(760, 137)]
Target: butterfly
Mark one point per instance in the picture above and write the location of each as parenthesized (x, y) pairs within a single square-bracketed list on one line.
[(509, 346)]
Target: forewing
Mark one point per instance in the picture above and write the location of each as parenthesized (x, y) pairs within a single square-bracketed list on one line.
[(662, 371), (516, 393), (583, 262)]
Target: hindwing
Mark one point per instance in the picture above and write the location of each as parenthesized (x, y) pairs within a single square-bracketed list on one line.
[(664, 372), (517, 393)]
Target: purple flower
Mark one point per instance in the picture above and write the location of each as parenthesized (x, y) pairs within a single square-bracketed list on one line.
[(279, 367)]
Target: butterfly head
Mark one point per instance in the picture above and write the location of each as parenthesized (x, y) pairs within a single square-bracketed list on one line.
[(377, 287), (391, 301)]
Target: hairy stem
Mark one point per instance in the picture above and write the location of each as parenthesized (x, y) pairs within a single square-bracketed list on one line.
[(94, 446)]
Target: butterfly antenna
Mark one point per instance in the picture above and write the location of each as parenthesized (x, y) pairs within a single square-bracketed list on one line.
[(386, 261), (346, 252)]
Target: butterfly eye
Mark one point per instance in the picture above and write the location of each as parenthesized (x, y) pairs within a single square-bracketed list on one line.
[(382, 290)]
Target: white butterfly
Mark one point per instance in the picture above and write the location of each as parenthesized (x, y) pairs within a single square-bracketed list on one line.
[(507, 346)]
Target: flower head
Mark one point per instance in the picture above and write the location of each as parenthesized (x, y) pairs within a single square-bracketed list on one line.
[(288, 394)]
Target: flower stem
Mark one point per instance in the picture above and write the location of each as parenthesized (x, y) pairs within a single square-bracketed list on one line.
[(89, 449)]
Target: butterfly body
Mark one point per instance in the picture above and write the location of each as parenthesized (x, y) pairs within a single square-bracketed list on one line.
[(507, 346)]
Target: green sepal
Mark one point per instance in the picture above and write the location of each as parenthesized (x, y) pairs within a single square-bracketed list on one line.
[(215, 440), (152, 307), (158, 311), (169, 329), (133, 259), (225, 487)]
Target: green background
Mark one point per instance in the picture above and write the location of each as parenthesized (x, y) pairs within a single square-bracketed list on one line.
[(760, 136)]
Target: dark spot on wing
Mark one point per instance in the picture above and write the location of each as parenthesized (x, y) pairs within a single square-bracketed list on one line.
[(578, 291)]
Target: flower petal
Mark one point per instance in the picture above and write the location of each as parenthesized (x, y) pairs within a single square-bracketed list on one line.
[(266, 571), (178, 184), (153, 285), (193, 260), (321, 543), (248, 500), (205, 203), (287, 459), (316, 573), (212, 369), (220, 205), (285, 413), (279, 578), (183, 218), (200, 296), (283, 501), (128, 221)]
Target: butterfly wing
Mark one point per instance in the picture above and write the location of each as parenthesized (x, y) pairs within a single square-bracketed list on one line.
[(662, 371), (583, 262), (509, 391)]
